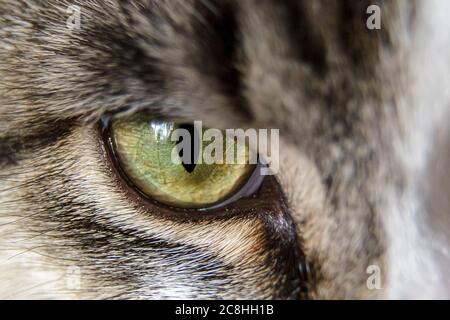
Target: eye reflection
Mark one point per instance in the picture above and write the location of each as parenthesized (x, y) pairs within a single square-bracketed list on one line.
[(161, 130)]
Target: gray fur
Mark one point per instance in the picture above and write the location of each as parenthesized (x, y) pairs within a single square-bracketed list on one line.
[(335, 89)]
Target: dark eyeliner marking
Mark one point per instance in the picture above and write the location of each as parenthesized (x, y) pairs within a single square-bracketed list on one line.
[(16, 148)]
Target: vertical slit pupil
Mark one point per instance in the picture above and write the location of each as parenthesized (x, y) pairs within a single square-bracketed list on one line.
[(189, 166)]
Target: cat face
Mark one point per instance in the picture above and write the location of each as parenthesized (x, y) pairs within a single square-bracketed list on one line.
[(358, 208)]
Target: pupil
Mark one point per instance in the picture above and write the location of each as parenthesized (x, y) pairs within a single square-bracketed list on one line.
[(189, 167)]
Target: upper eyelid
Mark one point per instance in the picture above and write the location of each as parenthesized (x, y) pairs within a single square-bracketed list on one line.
[(107, 116)]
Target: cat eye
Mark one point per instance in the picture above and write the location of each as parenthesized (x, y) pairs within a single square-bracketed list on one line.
[(152, 162)]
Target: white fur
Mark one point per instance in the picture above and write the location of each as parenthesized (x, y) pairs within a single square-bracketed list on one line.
[(414, 272)]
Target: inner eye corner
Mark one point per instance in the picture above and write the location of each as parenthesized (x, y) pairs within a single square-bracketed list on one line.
[(142, 162)]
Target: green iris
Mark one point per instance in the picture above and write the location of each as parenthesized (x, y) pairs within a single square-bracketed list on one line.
[(145, 152)]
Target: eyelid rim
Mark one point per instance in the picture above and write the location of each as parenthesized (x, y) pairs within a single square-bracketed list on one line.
[(249, 188)]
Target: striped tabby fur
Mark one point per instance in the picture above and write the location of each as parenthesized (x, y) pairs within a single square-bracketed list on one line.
[(363, 118)]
